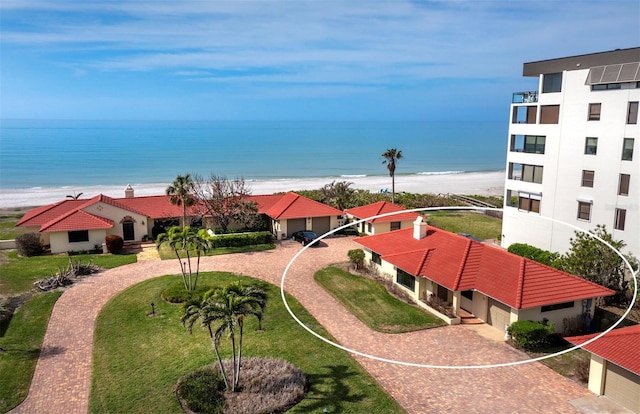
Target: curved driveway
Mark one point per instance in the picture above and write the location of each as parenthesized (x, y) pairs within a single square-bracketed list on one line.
[(62, 378)]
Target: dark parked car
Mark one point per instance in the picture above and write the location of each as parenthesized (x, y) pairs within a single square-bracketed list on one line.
[(305, 237)]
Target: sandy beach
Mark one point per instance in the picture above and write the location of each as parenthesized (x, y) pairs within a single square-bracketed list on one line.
[(478, 183)]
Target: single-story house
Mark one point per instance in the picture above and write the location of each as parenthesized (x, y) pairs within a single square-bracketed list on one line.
[(292, 212), (74, 225), (614, 369), (381, 224), (488, 282)]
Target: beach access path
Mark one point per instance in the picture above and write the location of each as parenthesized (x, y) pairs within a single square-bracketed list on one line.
[(62, 379)]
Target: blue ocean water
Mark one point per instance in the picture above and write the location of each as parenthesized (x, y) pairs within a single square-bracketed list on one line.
[(47, 153)]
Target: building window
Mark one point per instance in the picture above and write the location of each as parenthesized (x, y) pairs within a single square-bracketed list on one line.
[(549, 114), (584, 210), (527, 203), (395, 225), (525, 172), (467, 294), (556, 306), (627, 149), (369, 227), (534, 144), (594, 112), (552, 82), (405, 279), (621, 215), (587, 178), (591, 146), (524, 114), (632, 113), (78, 236), (375, 258), (606, 86), (623, 185)]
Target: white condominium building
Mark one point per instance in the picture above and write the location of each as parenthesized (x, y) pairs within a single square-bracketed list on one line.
[(574, 153)]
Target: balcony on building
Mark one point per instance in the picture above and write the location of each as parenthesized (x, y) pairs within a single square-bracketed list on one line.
[(525, 97)]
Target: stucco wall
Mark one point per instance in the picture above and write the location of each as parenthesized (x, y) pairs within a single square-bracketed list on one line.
[(60, 241), (596, 374), (117, 215), (555, 316)]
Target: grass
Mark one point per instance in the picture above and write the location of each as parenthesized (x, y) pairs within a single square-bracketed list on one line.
[(166, 253), (8, 229), (17, 274), (22, 341), (475, 224), (370, 302), (138, 358)]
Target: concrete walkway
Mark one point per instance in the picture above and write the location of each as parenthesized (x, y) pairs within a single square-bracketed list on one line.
[(62, 379)]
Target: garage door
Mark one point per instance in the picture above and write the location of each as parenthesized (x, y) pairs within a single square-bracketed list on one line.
[(623, 387), (294, 225), (321, 225), (498, 315)]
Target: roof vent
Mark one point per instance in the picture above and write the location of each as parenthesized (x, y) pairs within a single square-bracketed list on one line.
[(419, 229)]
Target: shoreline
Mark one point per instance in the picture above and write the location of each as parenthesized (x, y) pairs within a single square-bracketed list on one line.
[(489, 183)]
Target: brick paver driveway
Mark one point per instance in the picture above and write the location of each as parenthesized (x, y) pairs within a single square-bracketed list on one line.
[(62, 378)]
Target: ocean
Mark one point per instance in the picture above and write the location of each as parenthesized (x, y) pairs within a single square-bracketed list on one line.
[(58, 154)]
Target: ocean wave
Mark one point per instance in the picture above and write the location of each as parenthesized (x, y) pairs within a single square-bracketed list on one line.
[(440, 172), (353, 175)]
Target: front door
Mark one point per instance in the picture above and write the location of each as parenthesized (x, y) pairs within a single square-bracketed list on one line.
[(127, 231)]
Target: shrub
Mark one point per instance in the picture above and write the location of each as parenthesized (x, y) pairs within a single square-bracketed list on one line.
[(242, 239), (582, 370), (357, 257), (202, 391), (28, 245), (531, 335), (531, 252), (114, 243)]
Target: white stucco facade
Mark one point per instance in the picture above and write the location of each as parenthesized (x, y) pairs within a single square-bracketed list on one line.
[(565, 170)]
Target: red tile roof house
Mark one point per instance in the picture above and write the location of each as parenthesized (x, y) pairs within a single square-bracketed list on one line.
[(73, 225), (614, 369), (381, 224), (492, 284)]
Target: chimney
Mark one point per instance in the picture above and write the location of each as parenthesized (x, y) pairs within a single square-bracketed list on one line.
[(128, 191), (419, 228)]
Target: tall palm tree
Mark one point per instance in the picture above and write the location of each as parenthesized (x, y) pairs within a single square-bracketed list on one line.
[(180, 193), (390, 157), (186, 240), (226, 308)]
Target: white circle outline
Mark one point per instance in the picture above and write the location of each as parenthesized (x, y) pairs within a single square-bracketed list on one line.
[(413, 364)]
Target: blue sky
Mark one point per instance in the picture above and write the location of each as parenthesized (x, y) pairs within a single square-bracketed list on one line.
[(290, 60)]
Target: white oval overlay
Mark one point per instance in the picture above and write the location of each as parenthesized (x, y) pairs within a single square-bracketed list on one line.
[(412, 364)]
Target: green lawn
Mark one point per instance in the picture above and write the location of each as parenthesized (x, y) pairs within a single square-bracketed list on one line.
[(166, 253), (138, 358), (476, 224), (370, 302), (21, 339), (17, 274), (8, 229)]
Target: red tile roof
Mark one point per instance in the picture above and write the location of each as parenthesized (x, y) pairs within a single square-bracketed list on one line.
[(619, 346), (154, 207), (77, 220), (459, 263), (265, 202), (41, 215), (381, 207), (293, 205)]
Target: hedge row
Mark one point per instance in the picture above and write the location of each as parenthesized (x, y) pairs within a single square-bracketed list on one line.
[(531, 335), (243, 239)]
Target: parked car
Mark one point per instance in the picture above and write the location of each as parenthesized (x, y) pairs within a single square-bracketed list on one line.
[(305, 237)]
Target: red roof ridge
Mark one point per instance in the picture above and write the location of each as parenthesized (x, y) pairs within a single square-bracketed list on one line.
[(288, 200), (626, 330), (107, 222), (101, 198), (520, 288), (463, 264)]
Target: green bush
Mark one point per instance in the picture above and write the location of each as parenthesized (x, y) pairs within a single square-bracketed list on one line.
[(243, 239), (357, 257), (114, 243), (531, 252), (531, 335), (28, 245), (202, 391)]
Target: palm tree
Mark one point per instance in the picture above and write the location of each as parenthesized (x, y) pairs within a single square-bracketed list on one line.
[(390, 157), (186, 240), (226, 308), (180, 194), (74, 196)]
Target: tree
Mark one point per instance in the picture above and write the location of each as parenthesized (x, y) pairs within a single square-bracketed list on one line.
[(390, 157), (338, 195), (180, 194), (74, 196), (594, 261), (226, 310), (186, 240), (223, 199)]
